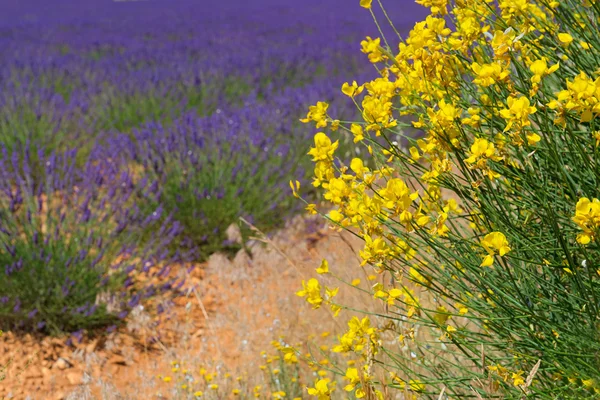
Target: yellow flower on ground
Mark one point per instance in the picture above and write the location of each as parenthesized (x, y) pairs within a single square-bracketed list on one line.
[(289, 355), (323, 268), (321, 389)]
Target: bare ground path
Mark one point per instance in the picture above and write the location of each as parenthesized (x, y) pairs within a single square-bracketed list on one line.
[(234, 309)]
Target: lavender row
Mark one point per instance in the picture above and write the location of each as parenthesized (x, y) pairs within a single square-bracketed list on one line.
[(70, 244), (134, 134)]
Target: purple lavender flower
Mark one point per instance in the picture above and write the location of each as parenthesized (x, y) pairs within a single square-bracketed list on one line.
[(138, 149), (77, 262)]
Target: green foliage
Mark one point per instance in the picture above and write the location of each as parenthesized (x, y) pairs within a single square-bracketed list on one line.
[(488, 228), (51, 269), (218, 184), (67, 254)]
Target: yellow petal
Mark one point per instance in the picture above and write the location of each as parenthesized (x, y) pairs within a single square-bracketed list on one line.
[(583, 238), (503, 250), (565, 38), (324, 268), (487, 261), (367, 4)]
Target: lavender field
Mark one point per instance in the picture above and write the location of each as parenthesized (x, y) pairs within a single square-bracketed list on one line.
[(142, 130), (133, 134)]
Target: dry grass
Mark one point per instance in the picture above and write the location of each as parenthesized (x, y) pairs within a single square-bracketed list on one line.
[(235, 307)]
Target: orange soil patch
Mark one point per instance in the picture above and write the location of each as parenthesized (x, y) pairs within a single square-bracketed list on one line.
[(249, 301)]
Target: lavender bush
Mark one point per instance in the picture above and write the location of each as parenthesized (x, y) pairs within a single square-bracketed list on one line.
[(184, 117), (211, 171), (68, 246)]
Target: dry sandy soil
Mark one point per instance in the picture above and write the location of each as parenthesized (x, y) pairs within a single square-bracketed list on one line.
[(234, 309)]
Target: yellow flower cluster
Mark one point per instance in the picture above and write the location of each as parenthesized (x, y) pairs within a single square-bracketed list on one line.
[(489, 93), (199, 383), (587, 217), (516, 378), (582, 96)]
